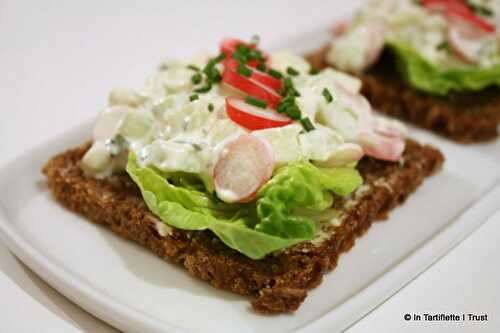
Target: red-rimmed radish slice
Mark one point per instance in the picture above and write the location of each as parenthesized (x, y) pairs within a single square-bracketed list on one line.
[(243, 166), (250, 87), (253, 117), (258, 76), (459, 8), (228, 46), (382, 147)]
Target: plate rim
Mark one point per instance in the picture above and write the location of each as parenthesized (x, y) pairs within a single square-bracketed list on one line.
[(105, 307), (126, 318)]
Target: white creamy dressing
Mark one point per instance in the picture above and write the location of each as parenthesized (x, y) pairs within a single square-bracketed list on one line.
[(428, 32), (167, 130)]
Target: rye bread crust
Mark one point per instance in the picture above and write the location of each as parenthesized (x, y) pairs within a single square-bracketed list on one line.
[(466, 118), (277, 284)]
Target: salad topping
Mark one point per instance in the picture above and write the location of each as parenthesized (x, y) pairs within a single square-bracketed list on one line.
[(440, 45), (250, 145)]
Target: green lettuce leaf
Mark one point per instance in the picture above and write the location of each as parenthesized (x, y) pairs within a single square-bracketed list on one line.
[(255, 229), (423, 75), (300, 186)]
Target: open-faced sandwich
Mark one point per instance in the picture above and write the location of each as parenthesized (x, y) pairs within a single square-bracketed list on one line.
[(434, 63), (248, 169)]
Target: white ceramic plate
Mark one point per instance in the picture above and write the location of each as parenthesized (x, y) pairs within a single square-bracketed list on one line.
[(133, 290)]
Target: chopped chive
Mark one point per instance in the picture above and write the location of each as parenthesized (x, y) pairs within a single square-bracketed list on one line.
[(193, 97), (217, 78), (196, 78), (241, 58), (328, 96), (244, 70), (194, 68), (274, 73), (293, 112), (444, 46), (313, 71), (307, 124), (210, 107), (256, 102), (261, 67), (219, 58), (292, 71), (242, 48), (212, 73), (281, 108), (204, 89), (479, 9), (255, 54), (288, 88), (288, 83)]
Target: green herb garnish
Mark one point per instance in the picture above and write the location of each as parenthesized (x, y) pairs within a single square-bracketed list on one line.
[(294, 112), (479, 9), (307, 124), (219, 58), (193, 97), (210, 107), (204, 89), (262, 67), (196, 78), (256, 102), (244, 70), (328, 96), (444, 46), (212, 73), (289, 88), (243, 54), (292, 71), (313, 71), (194, 68), (274, 73)]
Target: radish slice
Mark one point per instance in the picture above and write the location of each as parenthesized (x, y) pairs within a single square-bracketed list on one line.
[(257, 75), (382, 147), (244, 165), (252, 117), (250, 87)]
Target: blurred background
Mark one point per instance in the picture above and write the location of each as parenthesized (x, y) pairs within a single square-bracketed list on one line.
[(58, 61)]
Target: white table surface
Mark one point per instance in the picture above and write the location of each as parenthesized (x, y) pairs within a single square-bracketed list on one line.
[(59, 59)]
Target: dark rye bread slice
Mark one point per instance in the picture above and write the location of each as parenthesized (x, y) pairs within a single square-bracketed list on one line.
[(466, 118), (278, 283)]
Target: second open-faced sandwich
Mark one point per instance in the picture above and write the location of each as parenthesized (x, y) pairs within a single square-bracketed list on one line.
[(248, 169), (435, 63)]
